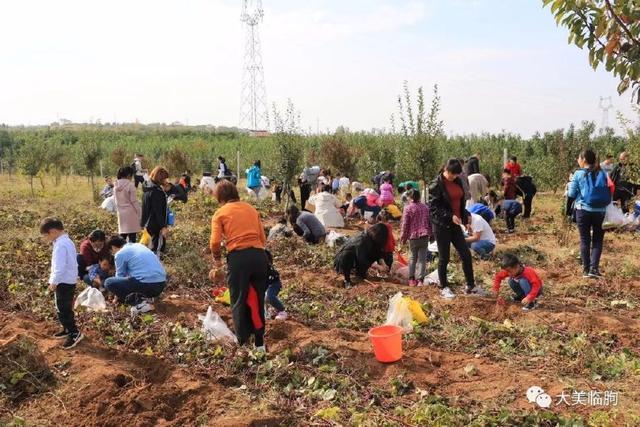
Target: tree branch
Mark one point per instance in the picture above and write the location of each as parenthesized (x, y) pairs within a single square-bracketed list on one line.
[(620, 22)]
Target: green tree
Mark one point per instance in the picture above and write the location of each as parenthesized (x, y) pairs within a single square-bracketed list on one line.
[(610, 29), (422, 134), (32, 159), (288, 140), (90, 151)]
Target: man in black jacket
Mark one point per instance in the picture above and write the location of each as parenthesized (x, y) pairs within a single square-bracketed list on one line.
[(620, 177), (447, 213), (526, 189)]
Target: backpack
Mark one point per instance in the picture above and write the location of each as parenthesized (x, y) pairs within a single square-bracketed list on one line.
[(597, 194)]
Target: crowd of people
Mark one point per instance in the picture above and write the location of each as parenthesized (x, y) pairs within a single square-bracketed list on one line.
[(458, 210)]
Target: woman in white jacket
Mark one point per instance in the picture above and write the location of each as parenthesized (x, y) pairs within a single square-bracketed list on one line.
[(326, 208)]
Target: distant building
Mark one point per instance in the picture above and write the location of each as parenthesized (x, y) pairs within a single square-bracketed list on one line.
[(259, 133)]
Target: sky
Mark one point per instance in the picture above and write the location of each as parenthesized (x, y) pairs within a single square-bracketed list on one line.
[(501, 65)]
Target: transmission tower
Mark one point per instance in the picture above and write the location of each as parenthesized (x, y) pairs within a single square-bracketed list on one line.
[(253, 103), (605, 105)]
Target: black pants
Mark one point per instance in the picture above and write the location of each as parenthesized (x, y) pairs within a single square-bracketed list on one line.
[(130, 237), (527, 200), (82, 266), (590, 244), (158, 242), (305, 192), (247, 267), (445, 237), (510, 220), (64, 307), (137, 179)]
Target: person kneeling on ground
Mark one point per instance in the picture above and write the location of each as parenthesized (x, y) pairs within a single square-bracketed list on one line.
[(279, 230), (274, 285), (138, 270), (483, 210), (523, 280), (481, 238), (360, 251), (92, 249), (100, 272), (306, 224), (510, 209)]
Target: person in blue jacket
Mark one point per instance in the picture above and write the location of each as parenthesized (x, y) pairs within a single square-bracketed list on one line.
[(254, 175), (591, 189), (510, 209)]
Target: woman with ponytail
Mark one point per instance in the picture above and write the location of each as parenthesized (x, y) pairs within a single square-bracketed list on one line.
[(592, 191)]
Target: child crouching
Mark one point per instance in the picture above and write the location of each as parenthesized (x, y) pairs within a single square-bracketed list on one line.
[(523, 281), (100, 272), (274, 285)]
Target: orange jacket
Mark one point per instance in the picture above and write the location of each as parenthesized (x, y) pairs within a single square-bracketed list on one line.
[(239, 225)]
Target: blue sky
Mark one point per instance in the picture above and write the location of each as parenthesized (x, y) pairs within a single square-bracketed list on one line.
[(500, 64)]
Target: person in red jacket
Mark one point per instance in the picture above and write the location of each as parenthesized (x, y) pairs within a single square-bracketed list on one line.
[(514, 167), (523, 281), (390, 246), (92, 249), (509, 188)]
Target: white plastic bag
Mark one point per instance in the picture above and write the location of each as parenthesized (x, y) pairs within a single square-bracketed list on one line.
[(433, 247), (109, 204), (399, 314), (92, 299), (614, 217), (334, 239), (215, 329), (432, 278)]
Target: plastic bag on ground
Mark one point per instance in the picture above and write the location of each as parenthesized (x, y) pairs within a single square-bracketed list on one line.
[(433, 247), (92, 299), (614, 217), (215, 329), (109, 204), (416, 310), (335, 239), (432, 278), (399, 314)]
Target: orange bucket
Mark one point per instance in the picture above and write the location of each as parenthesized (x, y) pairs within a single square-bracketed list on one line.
[(387, 343)]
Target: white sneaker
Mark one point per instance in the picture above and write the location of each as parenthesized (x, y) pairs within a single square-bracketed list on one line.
[(261, 349), (143, 307), (447, 293), (282, 315)]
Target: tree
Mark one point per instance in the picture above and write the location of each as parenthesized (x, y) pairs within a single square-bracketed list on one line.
[(176, 161), (119, 157), (32, 159), (338, 155), (288, 141), (90, 150), (421, 133), (610, 29)]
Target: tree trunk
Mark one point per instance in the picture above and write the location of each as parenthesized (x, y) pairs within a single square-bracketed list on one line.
[(31, 184)]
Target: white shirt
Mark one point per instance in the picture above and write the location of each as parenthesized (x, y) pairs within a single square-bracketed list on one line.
[(344, 182), (478, 224), (207, 182), (64, 262), (138, 165)]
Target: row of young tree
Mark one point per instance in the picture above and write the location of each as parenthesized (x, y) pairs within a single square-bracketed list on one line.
[(414, 148)]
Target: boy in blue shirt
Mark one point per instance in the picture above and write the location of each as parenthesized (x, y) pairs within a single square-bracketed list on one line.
[(138, 271), (62, 281)]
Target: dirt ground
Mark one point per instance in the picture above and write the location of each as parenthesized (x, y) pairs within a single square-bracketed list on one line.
[(470, 365)]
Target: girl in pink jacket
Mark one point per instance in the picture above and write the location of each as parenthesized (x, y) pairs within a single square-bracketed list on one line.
[(386, 194)]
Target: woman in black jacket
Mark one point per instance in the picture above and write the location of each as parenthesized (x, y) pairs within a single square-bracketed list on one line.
[(360, 251), (447, 213), (155, 209)]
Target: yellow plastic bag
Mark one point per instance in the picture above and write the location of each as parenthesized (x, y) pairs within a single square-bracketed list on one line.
[(416, 310), (146, 238), (394, 211)]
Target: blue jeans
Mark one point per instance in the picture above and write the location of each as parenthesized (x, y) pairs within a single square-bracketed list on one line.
[(521, 287), (483, 247), (123, 286), (590, 244), (272, 295)]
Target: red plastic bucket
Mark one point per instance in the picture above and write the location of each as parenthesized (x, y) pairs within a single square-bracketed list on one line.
[(387, 343)]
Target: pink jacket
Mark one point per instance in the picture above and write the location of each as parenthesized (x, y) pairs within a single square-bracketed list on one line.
[(386, 194), (127, 207)]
